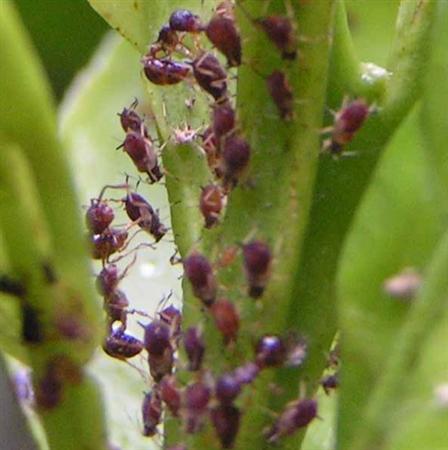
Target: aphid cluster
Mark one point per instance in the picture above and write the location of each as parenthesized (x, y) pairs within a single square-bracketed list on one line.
[(184, 384)]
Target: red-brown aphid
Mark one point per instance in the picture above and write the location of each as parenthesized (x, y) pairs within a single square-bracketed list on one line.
[(112, 240), (130, 120), (151, 413), (141, 150), (347, 122), (142, 213), (224, 121), (116, 305), (165, 71), (227, 319), (170, 394), (281, 93), (257, 265), (235, 159), (199, 272), (210, 75), (280, 31), (222, 33), (211, 204), (99, 216)]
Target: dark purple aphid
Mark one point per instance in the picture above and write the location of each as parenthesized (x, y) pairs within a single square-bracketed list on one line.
[(141, 150), (235, 159), (170, 394), (281, 93), (165, 71), (210, 75), (226, 422), (184, 20), (151, 413), (270, 351), (227, 389), (280, 31), (329, 383), (142, 213), (223, 121), (11, 286), (197, 397), (222, 33), (227, 319), (247, 373), (161, 365), (121, 345), (99, 216), (157, 337), (173, 318), (347, 122), (257, 265), (194, 348), (107, 280), (49, 389), (32, 330), (211, 204), (116, 305), (111, 241), (199, 272), (297, 414)]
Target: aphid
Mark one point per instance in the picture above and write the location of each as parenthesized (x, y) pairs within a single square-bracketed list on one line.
[(165, 71), (184, 20), (142, 213), (223, 122), (99, 216), (199, 272), (247, 373), (226, 422), (151, 413), (194, 348), (280, 31), (330, 382), (167, 40), (257, 265), (108, 279), (112, 240), (49, 388), (227, 389), (404, 285), (141, 150), (170, 394), (347, 122), (210, 75), (281, 93), (116, 305), (121, 345), (227, 319), (222, 33), (197, 397), (157, 342), (297, 414), (173, 318), (32, 332), (210, 147), (11, 286), (211, 204), (270, 351), (235, 159), (131, 121)]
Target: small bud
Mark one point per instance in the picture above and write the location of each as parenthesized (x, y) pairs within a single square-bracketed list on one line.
[(194, 348), (227, 319)]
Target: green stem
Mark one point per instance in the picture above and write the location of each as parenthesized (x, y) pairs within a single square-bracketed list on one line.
[(404, 354)]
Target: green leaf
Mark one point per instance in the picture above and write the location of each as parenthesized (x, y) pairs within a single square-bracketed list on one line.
[(396, 227)]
